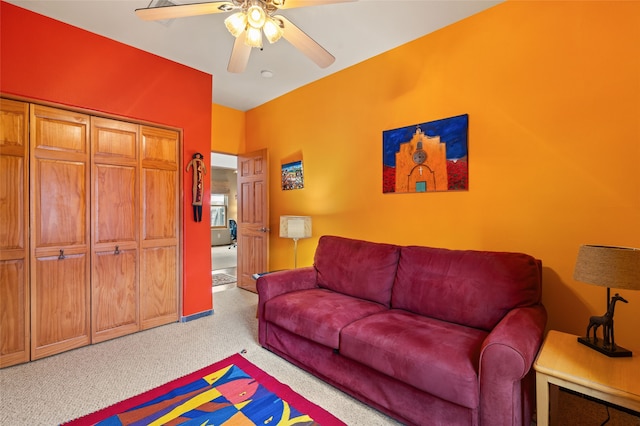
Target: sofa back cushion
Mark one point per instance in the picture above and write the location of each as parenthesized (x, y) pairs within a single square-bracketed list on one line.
[(358, 268), (472, 288)]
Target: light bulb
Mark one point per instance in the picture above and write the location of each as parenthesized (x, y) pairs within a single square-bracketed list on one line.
[(236, 23), (272, 30), (254, 37), (256, 16)]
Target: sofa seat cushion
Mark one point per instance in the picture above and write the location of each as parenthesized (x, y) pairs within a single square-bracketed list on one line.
[(318, 314), (434, 356)]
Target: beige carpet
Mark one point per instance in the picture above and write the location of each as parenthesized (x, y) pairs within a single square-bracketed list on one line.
[(62, 387), (223, 257)]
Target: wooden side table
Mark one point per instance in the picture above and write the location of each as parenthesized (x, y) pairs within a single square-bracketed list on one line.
[(564, 362)]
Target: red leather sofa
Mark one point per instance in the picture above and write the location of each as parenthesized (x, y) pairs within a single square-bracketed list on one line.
[(429, 336)]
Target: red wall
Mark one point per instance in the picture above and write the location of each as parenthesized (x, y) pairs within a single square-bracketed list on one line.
[(44, 59)]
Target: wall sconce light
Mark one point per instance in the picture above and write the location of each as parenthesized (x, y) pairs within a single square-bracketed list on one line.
[(295, 227), (606, 266)]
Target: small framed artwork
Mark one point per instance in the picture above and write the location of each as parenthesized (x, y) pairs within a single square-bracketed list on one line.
[(292, 176), (426, 157)]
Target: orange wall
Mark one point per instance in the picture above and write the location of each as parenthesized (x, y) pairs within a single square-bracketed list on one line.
[(552, 90), (46, 60), (227, 130)]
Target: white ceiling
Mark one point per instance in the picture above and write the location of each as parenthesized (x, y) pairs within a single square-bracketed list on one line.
[(352, 32)]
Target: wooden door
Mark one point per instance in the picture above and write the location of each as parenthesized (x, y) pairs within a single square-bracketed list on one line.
[(253, 217), (14, 235), (60, 234), (160, 220), (115, 220)]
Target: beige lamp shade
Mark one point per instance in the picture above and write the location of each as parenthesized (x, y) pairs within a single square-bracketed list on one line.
[(295, 227), (608, 266)]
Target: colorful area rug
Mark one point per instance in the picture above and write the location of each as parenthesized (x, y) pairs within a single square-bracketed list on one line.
[(230, 392), (221, 279)]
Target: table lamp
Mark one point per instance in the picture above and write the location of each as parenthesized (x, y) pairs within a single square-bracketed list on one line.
[(611, 267), (295, 227)]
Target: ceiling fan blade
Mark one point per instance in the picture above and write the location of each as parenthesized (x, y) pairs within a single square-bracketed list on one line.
[(239, 55), (290, 4), (305, 44), (184, 10)]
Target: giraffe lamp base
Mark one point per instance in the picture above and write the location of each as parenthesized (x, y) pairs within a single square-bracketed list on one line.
[(598, 345)]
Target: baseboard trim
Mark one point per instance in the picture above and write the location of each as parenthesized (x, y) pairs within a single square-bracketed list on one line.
[(196, 316)]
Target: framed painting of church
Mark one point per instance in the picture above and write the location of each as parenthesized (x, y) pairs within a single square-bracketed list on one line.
[(426, 157)]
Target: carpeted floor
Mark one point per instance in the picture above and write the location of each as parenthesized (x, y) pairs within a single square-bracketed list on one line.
[(66, 386), (223, 257)]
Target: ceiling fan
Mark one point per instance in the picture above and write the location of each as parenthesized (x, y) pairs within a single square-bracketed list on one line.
[(251, 19)]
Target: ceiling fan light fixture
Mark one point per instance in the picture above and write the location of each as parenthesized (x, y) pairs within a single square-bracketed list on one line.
[(247, 22), (272, 30), (256, 16), (236, 23), (254, 37)]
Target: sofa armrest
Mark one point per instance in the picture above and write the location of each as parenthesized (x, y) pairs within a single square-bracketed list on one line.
[(277, 283), (281, 282), (506, 357)]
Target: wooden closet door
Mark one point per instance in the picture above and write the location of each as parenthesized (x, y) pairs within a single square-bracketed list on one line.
[(159, 195), (60, 266), (14, 235), (114, 247)]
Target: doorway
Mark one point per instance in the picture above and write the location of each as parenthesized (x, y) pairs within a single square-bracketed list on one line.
[(224, 214)]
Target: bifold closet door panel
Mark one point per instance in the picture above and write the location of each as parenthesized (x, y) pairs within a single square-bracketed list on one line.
[(158, 291), (14, 235), (115, 229), (160, 221), (60, 311), (114, 294), (115, 263), (60, 231)]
